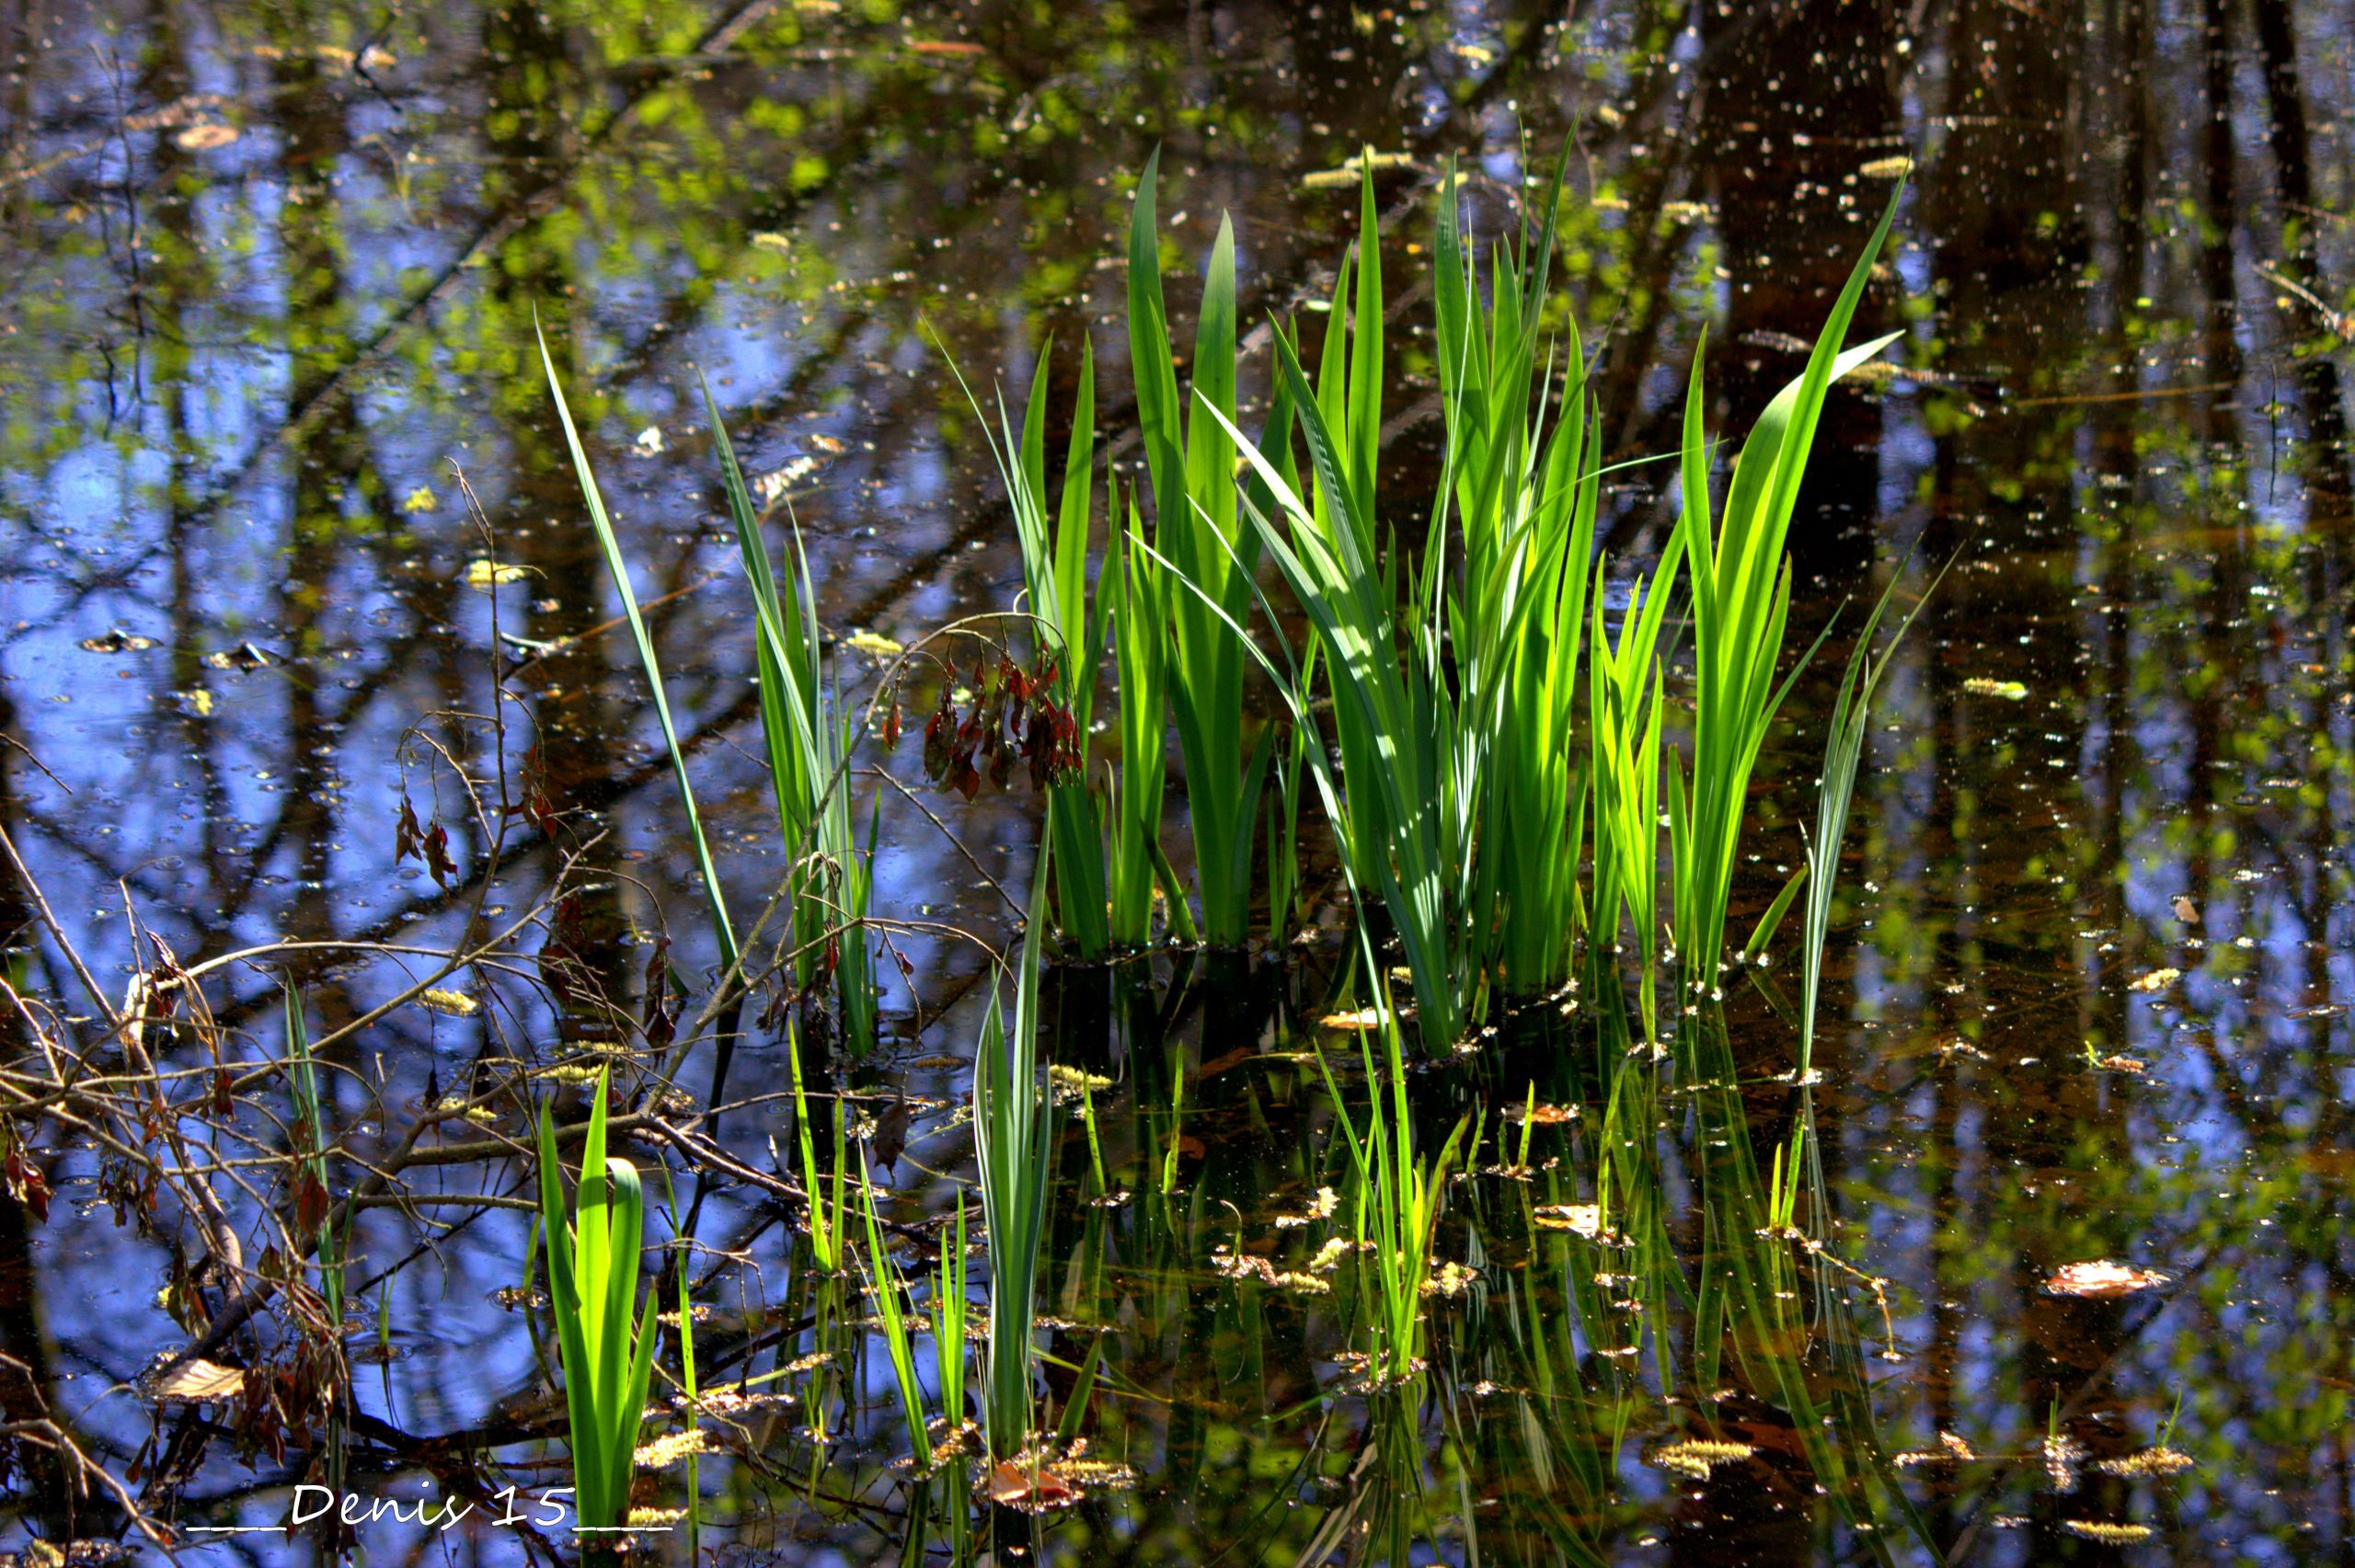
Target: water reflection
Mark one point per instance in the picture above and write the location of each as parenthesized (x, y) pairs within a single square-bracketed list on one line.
[(276, 269)]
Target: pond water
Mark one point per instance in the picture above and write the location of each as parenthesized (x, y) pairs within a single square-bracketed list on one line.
[(270, 311)]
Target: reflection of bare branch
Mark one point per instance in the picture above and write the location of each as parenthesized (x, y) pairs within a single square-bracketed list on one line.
[(46, 1434)]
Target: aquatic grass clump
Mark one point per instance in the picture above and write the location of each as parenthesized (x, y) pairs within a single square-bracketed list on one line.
[(608, 1355), (1014, 1133), (1739, 581), (1197, 530)]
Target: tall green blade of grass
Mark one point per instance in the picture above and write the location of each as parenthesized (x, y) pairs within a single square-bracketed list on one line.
[(807, 739), (1054, 566), (1843, 746), (823, 1185), (592, 1283), (1140, 630), (1524, 505), (899, 1339), (1013, 1124), (948, 1304), (1347, 599), (723, 931), (1196, 527), (1740, 586), (1624, 723)]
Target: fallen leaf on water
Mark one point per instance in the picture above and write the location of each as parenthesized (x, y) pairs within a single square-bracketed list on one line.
[(1896, 167), (2157, 980), (2010, 690), (2106, 1532), (1017, 1486), (205, 138), (116, 640), (945, 48), (2102, 1280), (1542, 1115), (1362, 1018), (2122, 1063), (484, 576), (650, 439), (422, 498), (197, 1382), (1586, 1218), (2186, 910), (876, 644)]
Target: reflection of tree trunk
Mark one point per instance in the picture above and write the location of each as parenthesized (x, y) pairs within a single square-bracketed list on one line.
[(2220, 348), (2013, 213), (2277, 47), (575, 731), (25, 1371), (323, 463), (1789, 112), (25, 1374)]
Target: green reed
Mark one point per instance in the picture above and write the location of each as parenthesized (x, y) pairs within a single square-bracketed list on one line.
[(723, 931), (1843, 747), (1054, 566), (948, 1313), (823, 1185), (592, 1285), (1197, 530), (1014, 1135), (808, 736), (1399, 1195), (807, 742), (1740, 582), (890, 1293)]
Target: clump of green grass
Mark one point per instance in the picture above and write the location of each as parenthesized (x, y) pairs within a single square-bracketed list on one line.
[(1013, 1129), (1739, 581), (1197, 530), (608, 1352)]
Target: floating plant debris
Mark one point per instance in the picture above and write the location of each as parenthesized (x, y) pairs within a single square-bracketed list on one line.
[(482, 576), (1697, 1457), (678, 1447), (114, 639), (199, 1381), (2102, 1280), (1951, 1449)]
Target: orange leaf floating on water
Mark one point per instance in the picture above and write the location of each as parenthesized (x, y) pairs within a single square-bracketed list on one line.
[(2102, 1280), (2157, 981), (1020, 1486), (1542, 1115), (1363, 1018)]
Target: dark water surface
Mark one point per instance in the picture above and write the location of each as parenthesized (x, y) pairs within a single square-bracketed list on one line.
[(272, 270)]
